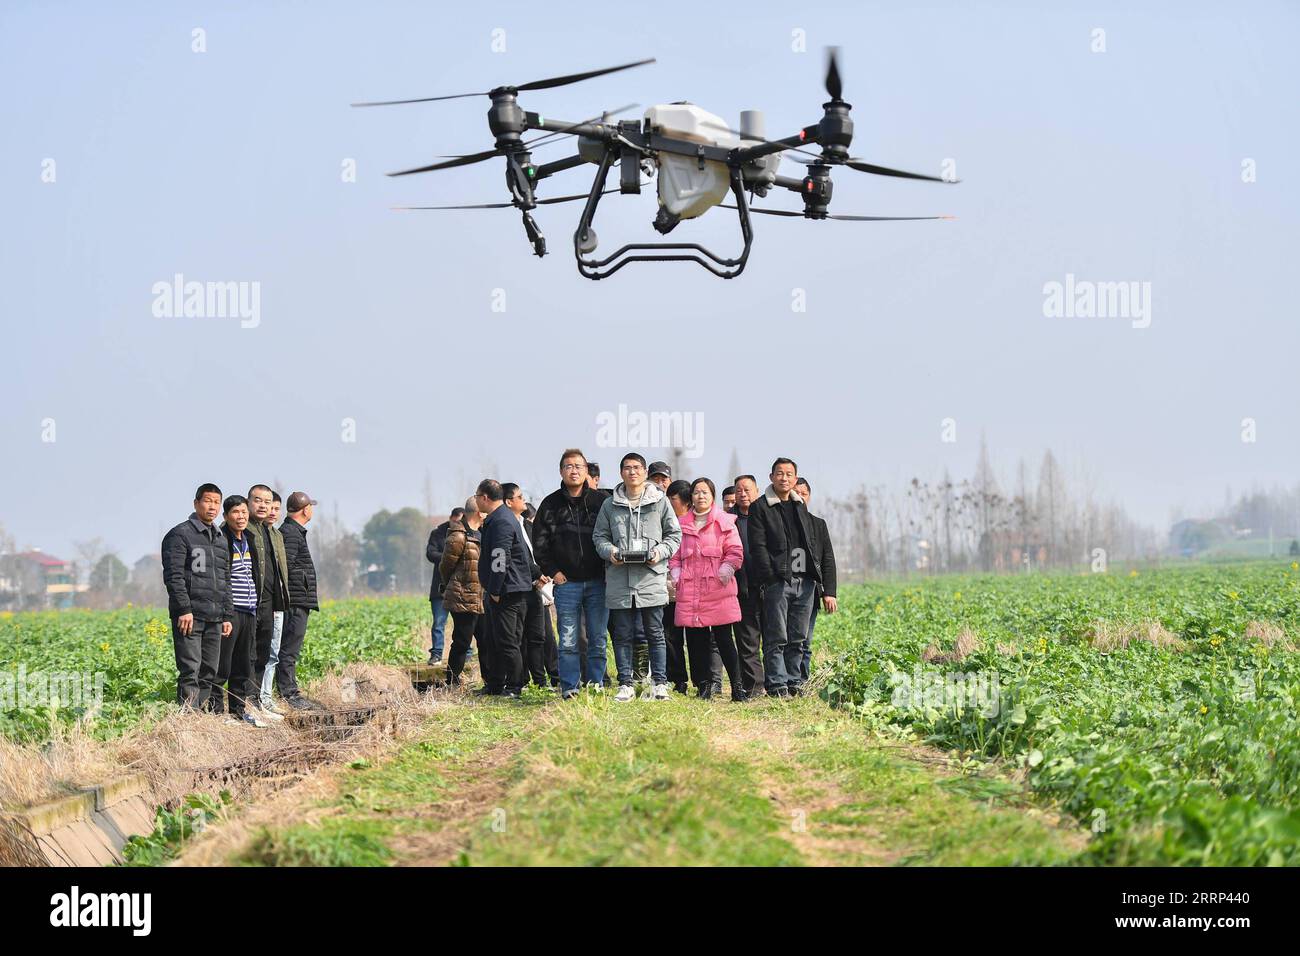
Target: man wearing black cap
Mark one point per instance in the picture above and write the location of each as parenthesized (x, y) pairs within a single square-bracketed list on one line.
[(302, 599), (661, 475)]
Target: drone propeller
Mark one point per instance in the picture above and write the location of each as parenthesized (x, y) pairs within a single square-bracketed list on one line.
[(534, 85), (833, 85), (508, 205), (860, 165), (846, 218), (471, 158), (542, 140)]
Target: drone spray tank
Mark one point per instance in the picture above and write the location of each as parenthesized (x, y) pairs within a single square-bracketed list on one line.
[(689, 186)]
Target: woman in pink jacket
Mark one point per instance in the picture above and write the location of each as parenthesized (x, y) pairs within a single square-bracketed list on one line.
[(704, 569)]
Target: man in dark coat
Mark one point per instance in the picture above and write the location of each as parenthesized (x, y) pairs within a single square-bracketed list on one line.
[(302, 599), (825, 596), (196, 573), (748, 630), (565, 553), (787, 554), (505, 571), (433, 554)]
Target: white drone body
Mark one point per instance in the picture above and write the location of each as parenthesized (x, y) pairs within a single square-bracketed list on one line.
[(689, 187)]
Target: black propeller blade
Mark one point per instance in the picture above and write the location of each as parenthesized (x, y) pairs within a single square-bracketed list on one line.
[(862, 167), (507, 205), (833, 85), (458, 161), (471, 158), (846, 218), (534, 85)]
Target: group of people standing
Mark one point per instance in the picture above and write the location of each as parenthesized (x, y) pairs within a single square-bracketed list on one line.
[(239, 596), (670, 572)]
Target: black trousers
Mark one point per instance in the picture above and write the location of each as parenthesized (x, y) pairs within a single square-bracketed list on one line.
[(235, 667), (198, 655), (674, 639), (291, 638), (534, 641), (550, 647), (703, 643), (508, 616), (464, 624), (262, 642), (749, 642)]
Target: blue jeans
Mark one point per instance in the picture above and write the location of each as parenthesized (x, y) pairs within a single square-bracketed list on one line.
[(439, 626), (787, 607), (268, 676), (624, 620), (574, 599)]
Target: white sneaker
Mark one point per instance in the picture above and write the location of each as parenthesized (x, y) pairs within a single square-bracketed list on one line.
[(267, 706), (596, 687), (661, 691), (625, 693), (266, 714), (230, 721), (251, 717)]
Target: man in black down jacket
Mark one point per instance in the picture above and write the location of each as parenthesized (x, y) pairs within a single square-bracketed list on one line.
[(787, 555), (565, 553), (302, 599), (196, 573), (825, 596), (433, 553), (748, 630)]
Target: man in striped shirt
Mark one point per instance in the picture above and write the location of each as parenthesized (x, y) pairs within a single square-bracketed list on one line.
[(237, 649)]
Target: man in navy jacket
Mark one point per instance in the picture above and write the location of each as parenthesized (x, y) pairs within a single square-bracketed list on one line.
[(505, 571)]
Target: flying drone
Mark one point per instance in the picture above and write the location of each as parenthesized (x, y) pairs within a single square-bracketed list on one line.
[(696, 156)]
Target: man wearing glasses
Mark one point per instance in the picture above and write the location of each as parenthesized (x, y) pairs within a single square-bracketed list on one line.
[(637, 532)]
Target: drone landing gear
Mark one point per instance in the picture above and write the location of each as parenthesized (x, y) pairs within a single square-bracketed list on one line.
[(534, 235), (584, 239)]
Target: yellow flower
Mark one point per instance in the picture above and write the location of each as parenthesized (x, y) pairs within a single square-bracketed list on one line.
[(1295, 565), (104, 647), (1133, 573), (1233, 595), (957, 596), (1204, 709), (879, 608)]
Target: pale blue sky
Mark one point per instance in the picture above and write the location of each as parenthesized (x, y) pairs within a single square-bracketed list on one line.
[(1123, 165)]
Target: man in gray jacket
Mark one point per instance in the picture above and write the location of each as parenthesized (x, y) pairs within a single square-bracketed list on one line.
[(636, 533)]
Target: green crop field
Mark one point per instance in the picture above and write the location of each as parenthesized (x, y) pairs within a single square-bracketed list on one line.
[(1160, 709)]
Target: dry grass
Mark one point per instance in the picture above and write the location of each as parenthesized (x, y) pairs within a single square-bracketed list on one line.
[(1107, 636), (966, 644), (172, 752), (1269, 634)]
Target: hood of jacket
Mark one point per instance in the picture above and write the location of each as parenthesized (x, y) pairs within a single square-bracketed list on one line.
[(650, 493)]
